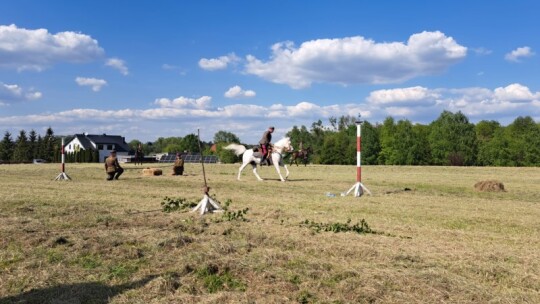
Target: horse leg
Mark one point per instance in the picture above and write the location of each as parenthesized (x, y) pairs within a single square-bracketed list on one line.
[(240, 170), (255, 172), (276, 165), (287, 170)]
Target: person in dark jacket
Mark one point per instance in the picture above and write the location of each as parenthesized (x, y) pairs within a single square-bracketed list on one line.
[(265, 143), (178, 168), (112, 167), (139, 155)]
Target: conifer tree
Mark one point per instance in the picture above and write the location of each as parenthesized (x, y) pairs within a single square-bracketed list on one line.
[(32, 144), (21, 153), (6, 148)]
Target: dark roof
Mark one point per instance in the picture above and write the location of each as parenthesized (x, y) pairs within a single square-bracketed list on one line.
[(119, 142)]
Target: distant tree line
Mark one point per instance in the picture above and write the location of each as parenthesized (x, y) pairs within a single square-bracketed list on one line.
[(449, 140)]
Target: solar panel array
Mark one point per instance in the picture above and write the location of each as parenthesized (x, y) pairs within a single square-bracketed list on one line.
[(190, 158)]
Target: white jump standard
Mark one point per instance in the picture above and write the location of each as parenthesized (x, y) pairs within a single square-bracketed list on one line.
[(207, 204), (358, 188), (63, 175)]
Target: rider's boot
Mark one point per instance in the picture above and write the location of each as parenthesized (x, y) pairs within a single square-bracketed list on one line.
[(268, 161)]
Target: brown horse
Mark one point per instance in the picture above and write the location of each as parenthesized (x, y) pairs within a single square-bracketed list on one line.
[(302, 154)]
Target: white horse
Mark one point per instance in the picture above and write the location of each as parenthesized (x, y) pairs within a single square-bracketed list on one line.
[(283, 145)]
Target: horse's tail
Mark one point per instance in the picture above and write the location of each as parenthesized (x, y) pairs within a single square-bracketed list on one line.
[(236, 148)]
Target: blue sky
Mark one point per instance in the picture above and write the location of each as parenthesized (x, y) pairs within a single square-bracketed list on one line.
[(149, 69)]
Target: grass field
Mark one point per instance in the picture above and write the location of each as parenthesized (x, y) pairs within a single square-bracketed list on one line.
[(93, 241)]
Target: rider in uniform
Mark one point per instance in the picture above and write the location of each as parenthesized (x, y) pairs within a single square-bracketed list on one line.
[(178, 168), (112, 167), (265, 144)]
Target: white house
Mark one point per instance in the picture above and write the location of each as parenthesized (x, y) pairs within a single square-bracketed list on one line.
[(103, 143)]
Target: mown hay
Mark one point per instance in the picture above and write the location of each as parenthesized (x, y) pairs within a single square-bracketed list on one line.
[(152, 172), (489, 186)]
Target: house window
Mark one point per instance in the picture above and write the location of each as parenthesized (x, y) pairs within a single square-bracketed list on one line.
[(110, 147), (100, 147)]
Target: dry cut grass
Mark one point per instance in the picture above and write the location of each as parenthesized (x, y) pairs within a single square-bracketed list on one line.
[(437, 240)]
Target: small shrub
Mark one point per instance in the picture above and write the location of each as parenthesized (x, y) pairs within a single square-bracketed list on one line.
[(170, 204), (230, 215), (361, 227)]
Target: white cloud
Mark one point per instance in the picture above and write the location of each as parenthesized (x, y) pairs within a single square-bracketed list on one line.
[(95, 83), (237, 92), (412, 96), (515, 93), (482, 103), (520, 52), (118, 64), (171, 67), (10, 93), (27, 49), (357, 60), (482, 51), (219, 63), (184, 102), (183, 115)]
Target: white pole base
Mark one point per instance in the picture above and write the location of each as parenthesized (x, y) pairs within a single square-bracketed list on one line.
[(359, 190), (207, 204), (63, 176)]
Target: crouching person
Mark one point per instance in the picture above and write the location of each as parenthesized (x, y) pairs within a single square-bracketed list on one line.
[(112, 167), (178, 168)]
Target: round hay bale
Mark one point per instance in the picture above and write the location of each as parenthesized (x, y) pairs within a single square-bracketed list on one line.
[(489, 186), (152, 172)]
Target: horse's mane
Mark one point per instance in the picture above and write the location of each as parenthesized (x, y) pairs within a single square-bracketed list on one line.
[(282, 142)]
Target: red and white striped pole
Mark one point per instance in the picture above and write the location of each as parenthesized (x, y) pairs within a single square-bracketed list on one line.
[(359, 152), (358, 188), (63, 157)]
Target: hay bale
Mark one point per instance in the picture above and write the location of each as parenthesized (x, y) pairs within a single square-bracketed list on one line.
[(152, 172), (489, 186)]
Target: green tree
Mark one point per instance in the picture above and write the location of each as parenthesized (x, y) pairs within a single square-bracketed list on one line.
[(172, 148), (371, 146), (49, 146), (401, 143), (163, 144), (21, 153), (225, 137), (226, 156), (38, 147), (453, 140), (490, 140), (32, 144), (190, 143), (6, 147), (523, 136), (300, 137), (387, 139), (338, 148), (421, 153)]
